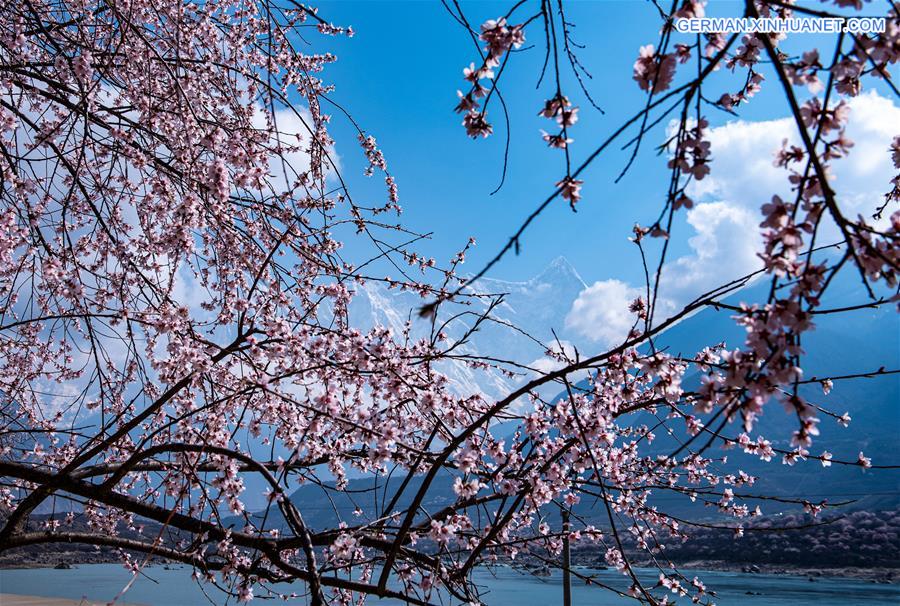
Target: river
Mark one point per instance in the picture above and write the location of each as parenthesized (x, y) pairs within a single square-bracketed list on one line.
[(503, 587)]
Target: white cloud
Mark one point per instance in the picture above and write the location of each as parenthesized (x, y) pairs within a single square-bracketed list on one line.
[(742, 155), (725, 218), (724, 246), (600, 312), (547, 364), (293, 128), (742, 168)]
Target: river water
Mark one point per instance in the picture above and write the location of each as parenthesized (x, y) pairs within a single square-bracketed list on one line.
[(502, 587)]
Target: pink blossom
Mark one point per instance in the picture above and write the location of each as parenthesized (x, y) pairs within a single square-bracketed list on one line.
[(570, 190), (654, 73)]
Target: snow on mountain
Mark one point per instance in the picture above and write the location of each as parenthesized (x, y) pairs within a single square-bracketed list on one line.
[(521, 327)]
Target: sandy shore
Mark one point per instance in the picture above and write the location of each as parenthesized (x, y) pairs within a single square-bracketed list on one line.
[(10, 599)]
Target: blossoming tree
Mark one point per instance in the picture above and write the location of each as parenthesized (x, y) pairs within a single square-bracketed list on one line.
[(174, 303)]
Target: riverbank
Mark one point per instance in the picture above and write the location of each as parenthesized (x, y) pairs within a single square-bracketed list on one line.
[(876, 574)]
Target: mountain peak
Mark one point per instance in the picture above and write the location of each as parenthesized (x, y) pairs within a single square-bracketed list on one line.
[(559, 269)]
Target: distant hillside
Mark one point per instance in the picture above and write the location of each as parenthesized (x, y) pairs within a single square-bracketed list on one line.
[(846, 343), (864, 539)]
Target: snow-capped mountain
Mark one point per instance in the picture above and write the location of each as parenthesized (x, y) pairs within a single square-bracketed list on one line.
[(521, 327)]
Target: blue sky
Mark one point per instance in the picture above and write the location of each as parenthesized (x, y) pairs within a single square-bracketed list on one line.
[(399, 75)]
